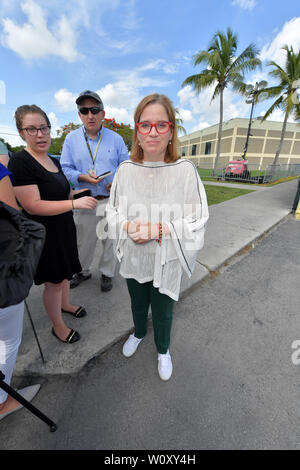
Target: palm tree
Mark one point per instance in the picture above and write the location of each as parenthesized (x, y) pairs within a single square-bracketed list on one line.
[(289, 81), (223, 68), (179, 122)]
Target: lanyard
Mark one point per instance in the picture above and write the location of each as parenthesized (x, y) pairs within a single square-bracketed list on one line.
[(93, 157)]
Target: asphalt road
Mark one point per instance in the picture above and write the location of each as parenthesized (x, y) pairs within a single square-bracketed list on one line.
[(234, 384)]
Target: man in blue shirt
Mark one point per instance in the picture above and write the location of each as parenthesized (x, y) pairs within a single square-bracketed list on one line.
[(87, 153)]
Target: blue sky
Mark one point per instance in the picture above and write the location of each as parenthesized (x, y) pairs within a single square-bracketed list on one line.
[(50, 51)]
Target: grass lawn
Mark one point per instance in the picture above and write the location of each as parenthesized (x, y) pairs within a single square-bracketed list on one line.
[(217, 194), (206, 172)]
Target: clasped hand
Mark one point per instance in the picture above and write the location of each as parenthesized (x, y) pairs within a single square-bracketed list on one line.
[(142, 232)]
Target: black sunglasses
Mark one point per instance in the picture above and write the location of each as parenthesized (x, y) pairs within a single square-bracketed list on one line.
[(94, 110)]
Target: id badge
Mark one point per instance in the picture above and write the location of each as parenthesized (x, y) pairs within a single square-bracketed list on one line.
[(92, 172)]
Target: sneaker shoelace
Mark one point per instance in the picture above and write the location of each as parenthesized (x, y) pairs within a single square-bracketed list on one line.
[(164, 358)]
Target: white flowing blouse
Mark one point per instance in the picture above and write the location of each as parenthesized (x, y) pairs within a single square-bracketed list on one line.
[(154, 192)]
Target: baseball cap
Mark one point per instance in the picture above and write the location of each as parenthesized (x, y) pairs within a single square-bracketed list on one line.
[(89, 94)]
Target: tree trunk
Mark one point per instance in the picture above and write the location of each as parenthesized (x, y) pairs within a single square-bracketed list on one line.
[(281, 139), (214, 172)]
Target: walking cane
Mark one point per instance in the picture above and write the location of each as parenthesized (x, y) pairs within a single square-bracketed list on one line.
[(26, 403), (36, 337)]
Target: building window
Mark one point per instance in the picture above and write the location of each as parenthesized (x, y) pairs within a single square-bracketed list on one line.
[(207, 148), (183, 151), (194, 149)]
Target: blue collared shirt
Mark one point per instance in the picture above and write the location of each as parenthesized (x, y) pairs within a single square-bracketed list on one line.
[(76, 159), (4, 172)]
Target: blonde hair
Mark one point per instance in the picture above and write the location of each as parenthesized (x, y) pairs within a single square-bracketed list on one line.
[(137, 153)]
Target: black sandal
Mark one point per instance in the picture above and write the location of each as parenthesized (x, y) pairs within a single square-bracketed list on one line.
[(79, 313), (72, 337)]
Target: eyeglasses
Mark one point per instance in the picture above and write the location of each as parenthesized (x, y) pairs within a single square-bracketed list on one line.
[(94, 110), (45, 130), (162, 127)]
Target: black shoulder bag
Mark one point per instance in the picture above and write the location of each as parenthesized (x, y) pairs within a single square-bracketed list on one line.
[(21, 244)]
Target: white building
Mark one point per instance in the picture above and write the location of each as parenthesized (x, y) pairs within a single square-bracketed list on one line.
[(201, 145)]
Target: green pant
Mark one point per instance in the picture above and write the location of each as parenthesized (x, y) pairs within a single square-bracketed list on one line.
[(142, 296)]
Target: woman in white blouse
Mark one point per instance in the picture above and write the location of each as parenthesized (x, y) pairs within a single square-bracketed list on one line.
[(156, 215)]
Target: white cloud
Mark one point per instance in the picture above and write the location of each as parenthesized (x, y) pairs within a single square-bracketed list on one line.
[(201, 125), (54, 123), (170, 68), (289, 35), (131, 20), (125, 47), (187, 96), (126, 92), (185, 114), (65, 100), (33, 40), (120, 100), (120, 114), (159, 64), (120, 94), (278, 116), (121, 97), (207, 112), (153, 65), (244, 4), (257, 76), (10, 135)]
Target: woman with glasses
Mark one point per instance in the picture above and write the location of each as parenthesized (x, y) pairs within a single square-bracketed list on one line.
[(44, 194), (156, 214)]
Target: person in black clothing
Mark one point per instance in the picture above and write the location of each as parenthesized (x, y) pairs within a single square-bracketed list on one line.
[(11, 317), (44, 194)]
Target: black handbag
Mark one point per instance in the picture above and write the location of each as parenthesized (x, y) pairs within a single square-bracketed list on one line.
[(21, 244)]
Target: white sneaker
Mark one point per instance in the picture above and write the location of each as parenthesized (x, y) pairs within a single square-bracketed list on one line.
[(165, 367), (131, 345)]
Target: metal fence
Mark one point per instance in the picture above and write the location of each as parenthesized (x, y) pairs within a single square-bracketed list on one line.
[(275, 172), (251, 173), (244, 174)]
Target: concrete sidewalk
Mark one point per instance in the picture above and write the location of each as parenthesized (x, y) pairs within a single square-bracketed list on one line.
[(233, 225)]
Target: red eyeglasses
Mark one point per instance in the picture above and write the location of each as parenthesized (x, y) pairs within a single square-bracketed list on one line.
[(162, 127)]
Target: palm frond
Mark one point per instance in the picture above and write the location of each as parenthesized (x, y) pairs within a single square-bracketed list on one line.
[(286, 77), (239, 86), (224, 42), (273, 91), (276, 66), (277, 104), (201, 80), (279, 74), (297, 112), (246, 66), (180, 129), (200, 57), (179, 122)]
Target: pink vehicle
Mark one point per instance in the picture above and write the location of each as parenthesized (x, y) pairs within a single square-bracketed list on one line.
[(237, 169)]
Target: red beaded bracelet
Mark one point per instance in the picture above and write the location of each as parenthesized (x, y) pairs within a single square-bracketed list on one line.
[(159, 233)]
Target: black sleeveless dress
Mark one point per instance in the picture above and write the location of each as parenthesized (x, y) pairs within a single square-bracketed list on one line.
[(59, 259)]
